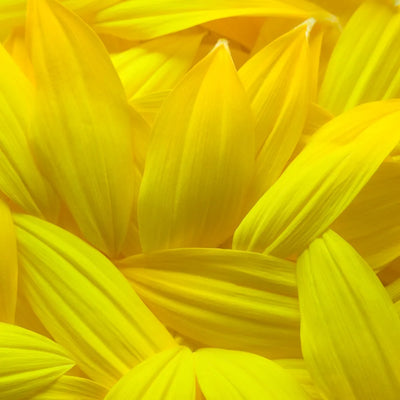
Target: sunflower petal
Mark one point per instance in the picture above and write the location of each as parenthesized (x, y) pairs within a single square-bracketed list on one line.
[(322, 181), (82, 127), (168, 375), (235, 375), (222, 298), (28, 362), (349, 327), (198, 205), (84, 302)]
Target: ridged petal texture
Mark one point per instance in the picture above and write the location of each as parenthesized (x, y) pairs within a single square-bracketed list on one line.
[(85, 302), (350, 330), (200, 159), (82, 128), (223, 298), (29, 362), (322, 181)]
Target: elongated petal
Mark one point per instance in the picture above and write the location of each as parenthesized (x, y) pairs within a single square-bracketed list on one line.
[(139, 19), (278, 81), (199, 161), (149, 105), (20, 179), (349, 327), (158, 64), (82, 127), (322, 181), (223, 298), (8, 265), (365, 63), (28, 362), (84, 302), (72, 388), (371, 224), (166, 376), (235, 375)]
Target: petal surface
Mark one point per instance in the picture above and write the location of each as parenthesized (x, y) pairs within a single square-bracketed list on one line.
[(350, 330), (85, 302)]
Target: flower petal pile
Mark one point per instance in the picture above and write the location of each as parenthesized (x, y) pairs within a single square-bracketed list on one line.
[(199, 200)]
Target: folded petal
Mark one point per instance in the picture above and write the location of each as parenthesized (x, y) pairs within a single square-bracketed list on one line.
[(350, 331), (365, 63), (322, 181), (139, 19), (82, 129), (200, 159), (168, 375), (222, 298), (85, 302), (28, 362), (235, 375)]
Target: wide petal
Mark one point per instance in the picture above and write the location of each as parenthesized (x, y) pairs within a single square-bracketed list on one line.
[(200, 159), (28, 362), (322, 181), (222, 298), (235, 375), (85, 302), (350, 331), (82, 127), (168, 375)]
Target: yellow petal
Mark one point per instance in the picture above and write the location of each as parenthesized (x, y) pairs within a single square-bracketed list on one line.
[(72, 388), (371, 224), (28, 362), (366, 62), (166, 376), (199, 161), (8, 265), (278, 80), (158, 64), (322, 181), (349, 327), (85, 302), (83, 126), (139, 19), (221, 298), (235, 375), (20, 179)]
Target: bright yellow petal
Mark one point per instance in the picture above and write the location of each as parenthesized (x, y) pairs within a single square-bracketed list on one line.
[(168, 375), (322, 181), (85, 302), (72, 388), (350, 331), (28, 362), (235, 375), (200, 159), (221, 298), (140, 19), (365, 64), (278, 80), (8, 265), (82, 127)]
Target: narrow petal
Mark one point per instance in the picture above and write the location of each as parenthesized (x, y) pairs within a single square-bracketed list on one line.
[(139, 19), (168, 375), (28, 362), (85, 302), (350, 330), (149, 105), (365, 64), (235, 375), (222, 298), (198, 126), (82, 127), (278, 81), (322, 181), (8, 265)]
